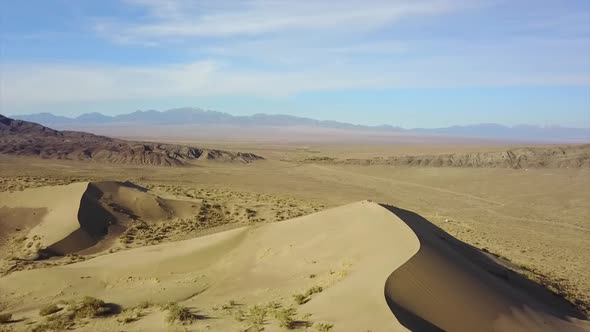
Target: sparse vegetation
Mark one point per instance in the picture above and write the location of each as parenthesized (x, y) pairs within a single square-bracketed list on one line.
[(314, 290), (144, 304), (180, 314), (229, 305), (239, 315), (300, 299), (557, 287), (257, 314), (64, 318), (323, 327), (129, 316), (50, 309), (256, 317), (218, 207), (56, 323), (306, 297), (91, 307), (273, 305), (286, 317)]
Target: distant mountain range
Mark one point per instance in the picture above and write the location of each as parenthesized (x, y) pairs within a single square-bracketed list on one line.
[(195, 116)]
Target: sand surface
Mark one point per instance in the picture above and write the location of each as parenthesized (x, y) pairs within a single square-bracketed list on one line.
[(61, 220), (379, 268)]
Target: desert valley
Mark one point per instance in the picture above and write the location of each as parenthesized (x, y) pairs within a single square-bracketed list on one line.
[(277, 165), (431, 234)]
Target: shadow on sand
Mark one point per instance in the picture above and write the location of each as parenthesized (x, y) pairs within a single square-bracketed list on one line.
[(451, 285)]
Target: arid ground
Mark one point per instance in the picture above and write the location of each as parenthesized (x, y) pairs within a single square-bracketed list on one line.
[(214, 246)]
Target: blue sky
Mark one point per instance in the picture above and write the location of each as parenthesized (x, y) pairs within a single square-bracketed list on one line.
[(413, 63)]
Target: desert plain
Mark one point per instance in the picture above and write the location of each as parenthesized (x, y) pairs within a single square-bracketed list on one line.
[(314, 237)]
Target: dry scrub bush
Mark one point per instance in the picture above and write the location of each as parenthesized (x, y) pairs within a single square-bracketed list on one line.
[(50, 309), (323, 327), (91, 307), (178, 313)]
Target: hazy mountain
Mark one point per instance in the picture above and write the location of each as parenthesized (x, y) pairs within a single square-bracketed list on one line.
[(46, 119), (93, 118), (186, 116), (524, 132), (195, 116)]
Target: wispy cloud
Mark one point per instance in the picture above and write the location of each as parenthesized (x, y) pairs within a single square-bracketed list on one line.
[(65, 83), (185, 19), (53, 83)]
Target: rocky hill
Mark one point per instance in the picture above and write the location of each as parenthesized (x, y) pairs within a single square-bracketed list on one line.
[(25, 138), (572, 156)]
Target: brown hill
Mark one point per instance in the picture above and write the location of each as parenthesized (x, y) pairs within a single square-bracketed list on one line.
[(30, 139), (572, 156)]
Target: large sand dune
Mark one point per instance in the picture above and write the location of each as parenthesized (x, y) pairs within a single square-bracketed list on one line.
[(380, 268), (451, 286)]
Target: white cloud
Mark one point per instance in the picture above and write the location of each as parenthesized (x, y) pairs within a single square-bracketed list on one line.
[(50, 83), (187, 19)]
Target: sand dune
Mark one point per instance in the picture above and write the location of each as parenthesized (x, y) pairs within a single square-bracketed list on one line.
[(59, 217), (67, 219), (451, 286), (380, 269), (251, 265)]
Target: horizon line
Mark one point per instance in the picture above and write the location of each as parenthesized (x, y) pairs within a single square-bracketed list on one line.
[(202, 110)]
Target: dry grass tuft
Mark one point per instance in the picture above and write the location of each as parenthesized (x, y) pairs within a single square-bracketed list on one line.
[(180, 314), (306, 297), (91, 307), (50, 309), (57, 323), (88, 307), (286, 317), (323, 327), (129, 316), (144, 304)]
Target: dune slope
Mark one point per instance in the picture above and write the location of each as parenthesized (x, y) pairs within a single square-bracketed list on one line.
[(67, 219), (347, 249), (451, 286)]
